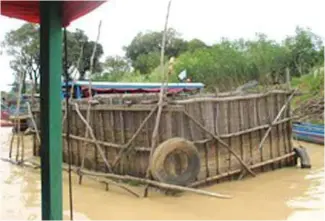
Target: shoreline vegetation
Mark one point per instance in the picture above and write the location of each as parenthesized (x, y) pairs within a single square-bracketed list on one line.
[(223, 66)]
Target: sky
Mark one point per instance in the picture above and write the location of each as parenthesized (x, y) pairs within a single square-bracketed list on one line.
[(208, 20)]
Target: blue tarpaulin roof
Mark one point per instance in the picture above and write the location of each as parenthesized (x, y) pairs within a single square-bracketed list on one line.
[(117, 85)]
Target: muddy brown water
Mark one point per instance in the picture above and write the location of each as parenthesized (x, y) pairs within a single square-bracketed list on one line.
[(285, 194)]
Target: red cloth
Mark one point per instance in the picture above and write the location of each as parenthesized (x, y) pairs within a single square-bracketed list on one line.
[(29, 10)]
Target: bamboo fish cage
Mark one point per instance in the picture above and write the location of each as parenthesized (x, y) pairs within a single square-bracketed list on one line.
[(226, 132)]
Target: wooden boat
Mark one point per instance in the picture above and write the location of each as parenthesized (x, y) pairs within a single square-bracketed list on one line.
[(217, 136), (309, 132)]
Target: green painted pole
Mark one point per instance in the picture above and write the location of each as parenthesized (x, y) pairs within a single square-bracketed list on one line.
[(51, 113)]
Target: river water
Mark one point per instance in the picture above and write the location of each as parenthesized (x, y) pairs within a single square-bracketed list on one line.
[(285, 194)]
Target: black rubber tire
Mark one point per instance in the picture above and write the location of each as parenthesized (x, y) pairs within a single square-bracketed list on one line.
[(302, 153), (170, 146)]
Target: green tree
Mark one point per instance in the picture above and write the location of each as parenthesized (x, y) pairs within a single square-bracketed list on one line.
[(114, 68), (144, 50), (221, 65), (230, 63), (305, 51), (78, 42), (195, 44), (23, 44), (267, 58)]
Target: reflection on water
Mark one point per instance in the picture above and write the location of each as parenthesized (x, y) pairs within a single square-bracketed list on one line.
[(286, 194)]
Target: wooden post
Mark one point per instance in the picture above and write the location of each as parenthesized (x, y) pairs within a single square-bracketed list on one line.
[(288, 80), (51, 113)]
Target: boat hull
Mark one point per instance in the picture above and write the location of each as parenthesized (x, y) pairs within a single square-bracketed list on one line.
[(6, 123), (309, 132)]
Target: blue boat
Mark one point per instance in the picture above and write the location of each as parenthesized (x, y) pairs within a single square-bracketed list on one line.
[(308, 132), (81, 87)]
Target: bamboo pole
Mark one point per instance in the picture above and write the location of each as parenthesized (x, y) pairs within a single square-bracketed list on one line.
[(160, 102), (241, 126), (107, 182), (278, 134), (90, 97), (11, 144), (238, 171), (17, 119), (230, 98), (93, 138), (258, 122), (111, 176), (22, 149), (77, 68), (161, 94), (92, 58), (76, 170), (158, 184), (126, 148), (229, 131), (85, 145), (222, 142), (269, 120), (73, 81), (288, 81), (276, 119), (33, 122)]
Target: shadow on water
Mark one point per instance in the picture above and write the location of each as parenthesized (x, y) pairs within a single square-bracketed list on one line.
[(285, 194)]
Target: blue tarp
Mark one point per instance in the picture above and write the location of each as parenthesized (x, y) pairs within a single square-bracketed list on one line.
[(116, 85)]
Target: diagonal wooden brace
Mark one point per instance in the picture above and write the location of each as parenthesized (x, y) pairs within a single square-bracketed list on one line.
[(276, 119), (127, 147), (101, 152), (216, 137)]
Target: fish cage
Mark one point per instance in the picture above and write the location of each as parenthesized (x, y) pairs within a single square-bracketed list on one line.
[(201, 139)]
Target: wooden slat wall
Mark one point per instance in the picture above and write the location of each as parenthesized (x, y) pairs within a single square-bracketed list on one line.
[(221, 117)]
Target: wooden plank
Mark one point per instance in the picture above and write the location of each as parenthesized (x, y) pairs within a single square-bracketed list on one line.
[(134, 107)]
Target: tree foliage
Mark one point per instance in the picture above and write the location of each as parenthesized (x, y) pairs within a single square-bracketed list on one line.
[(230, 63), (225, 64), (144, 49), (115, 67), (305, 49), (78, 41), (23, 45)]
